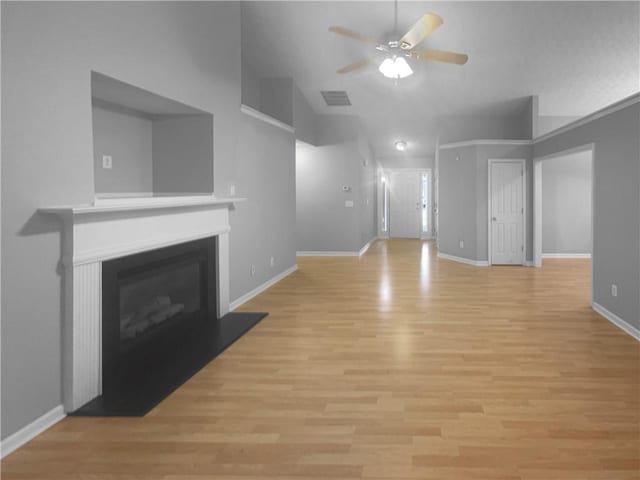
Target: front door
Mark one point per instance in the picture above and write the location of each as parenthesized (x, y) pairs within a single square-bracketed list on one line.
[(405, 205), (507, 212)]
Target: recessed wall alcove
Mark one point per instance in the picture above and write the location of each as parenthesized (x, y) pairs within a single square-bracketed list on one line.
[(157, 146)]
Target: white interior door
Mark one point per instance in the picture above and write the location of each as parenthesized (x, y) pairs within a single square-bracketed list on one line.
[(507, 213), (405, 205)]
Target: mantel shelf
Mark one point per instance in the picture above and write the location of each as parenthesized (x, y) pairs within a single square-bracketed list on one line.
[(135, 204)]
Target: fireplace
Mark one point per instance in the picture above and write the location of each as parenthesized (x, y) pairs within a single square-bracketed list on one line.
[(114, 229), (146, 296), (159, 323)]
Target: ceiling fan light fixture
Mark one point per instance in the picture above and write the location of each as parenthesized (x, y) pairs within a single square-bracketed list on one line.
[(401, 145), (395, 67)]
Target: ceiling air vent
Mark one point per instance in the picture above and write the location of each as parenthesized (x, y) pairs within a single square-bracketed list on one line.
[(336, 98)]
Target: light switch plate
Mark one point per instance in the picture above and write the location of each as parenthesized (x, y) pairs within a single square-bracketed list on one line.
[(107, 161), (348, 203)]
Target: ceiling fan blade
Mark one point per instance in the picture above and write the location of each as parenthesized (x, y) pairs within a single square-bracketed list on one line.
[(345, 32), (440, 56), (420, 30), (354, 66)]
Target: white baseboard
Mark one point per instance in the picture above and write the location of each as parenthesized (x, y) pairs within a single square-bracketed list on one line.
[(35, 428), (566, 255), (364, 249), (261, 288), (327, 254), (528, 263), (616, 320), (467, 261)]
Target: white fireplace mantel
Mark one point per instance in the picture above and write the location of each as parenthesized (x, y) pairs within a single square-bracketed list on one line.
[(112, 228), (121, 204)]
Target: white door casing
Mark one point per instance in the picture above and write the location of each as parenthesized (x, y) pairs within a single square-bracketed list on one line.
[(506, 212), (537, 198), (405, 205)]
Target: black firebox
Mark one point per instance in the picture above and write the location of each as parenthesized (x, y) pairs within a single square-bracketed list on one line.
[(159, 323)]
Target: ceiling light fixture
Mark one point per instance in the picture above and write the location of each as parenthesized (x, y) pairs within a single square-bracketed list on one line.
[(401, 145), (395, 67)]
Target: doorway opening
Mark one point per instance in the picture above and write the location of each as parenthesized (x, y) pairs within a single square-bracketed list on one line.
[(405, 203), (563, 211)]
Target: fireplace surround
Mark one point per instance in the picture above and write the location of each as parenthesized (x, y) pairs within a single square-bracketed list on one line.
[(109, 229)]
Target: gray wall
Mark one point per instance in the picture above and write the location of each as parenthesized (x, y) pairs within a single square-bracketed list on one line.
[(182, 154), (304, 118), (264, 226), (334, 129), (323, 221), (276, 98), (460, 128), (405, 161), (616, 203), (566, 204), (457, 202), (127, 138), (548, 123), (46, 64), (250, 86), (281, 99), (463, 198), (530, 117), (344, 157)]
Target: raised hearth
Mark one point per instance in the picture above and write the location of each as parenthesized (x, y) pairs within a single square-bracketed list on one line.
[(139, 398)]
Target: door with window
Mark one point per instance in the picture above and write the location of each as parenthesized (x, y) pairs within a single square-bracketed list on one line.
[(506, 224), (409, 204)]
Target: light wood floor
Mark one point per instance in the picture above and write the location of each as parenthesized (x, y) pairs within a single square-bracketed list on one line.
[(396, 365)]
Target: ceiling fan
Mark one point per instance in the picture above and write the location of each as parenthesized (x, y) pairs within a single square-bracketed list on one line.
[(394, 64)]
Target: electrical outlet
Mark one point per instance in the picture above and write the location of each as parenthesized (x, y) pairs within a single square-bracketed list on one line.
[(348, 203), (272, 262), (461, 243), (614, 290), (253, 270), (232, 190), (107, 162)]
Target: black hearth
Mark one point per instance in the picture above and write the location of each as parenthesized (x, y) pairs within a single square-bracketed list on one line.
[(159, 325)]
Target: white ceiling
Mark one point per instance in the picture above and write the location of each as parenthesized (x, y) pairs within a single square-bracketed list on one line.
[(577, 56)]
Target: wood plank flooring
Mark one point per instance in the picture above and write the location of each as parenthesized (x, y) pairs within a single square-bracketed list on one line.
[(395, 365)]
